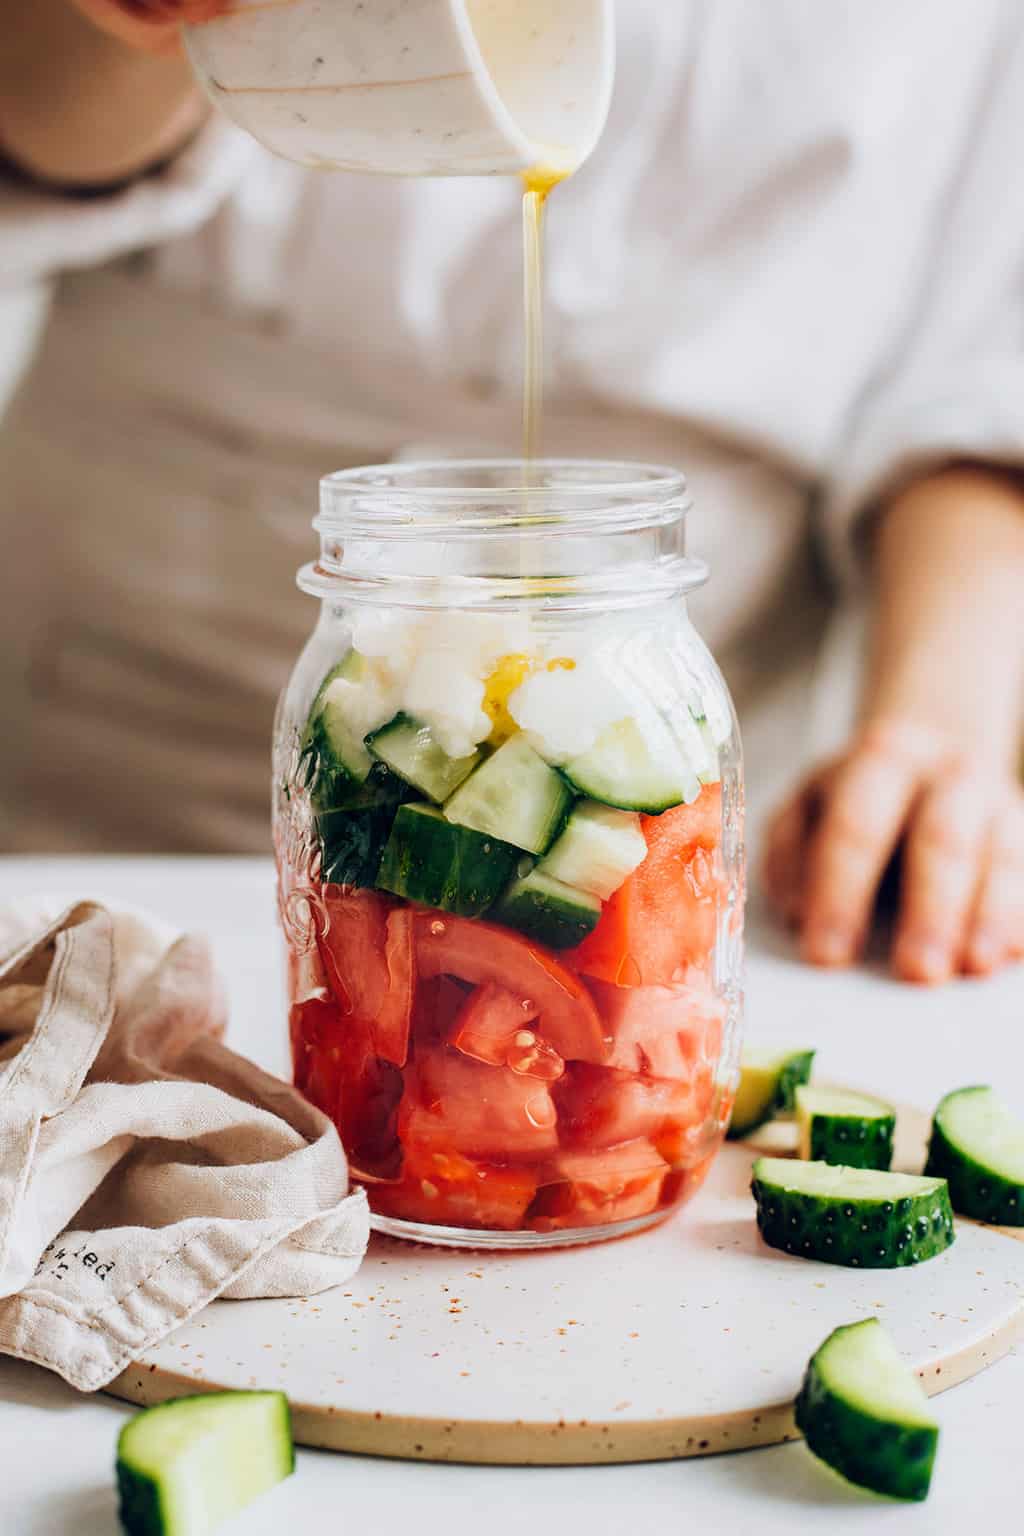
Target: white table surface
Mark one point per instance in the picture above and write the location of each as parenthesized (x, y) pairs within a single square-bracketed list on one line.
[(57, 1447)]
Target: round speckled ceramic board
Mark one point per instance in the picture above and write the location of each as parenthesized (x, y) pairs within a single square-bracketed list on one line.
[(684, 1340)]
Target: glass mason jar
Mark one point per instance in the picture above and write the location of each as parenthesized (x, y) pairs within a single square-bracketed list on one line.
[(508, 821)]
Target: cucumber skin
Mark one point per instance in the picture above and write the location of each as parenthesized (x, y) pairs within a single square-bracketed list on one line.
[(352, 842), (810, 1228), (477, 869), (975, 1191), (332, 788), (138, 1505), (887, 1458), (546, 921), (795, 1073), (870, 1146), (139, 1502)]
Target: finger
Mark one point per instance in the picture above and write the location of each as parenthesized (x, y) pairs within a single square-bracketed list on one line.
[(996, 929), (944, 855), (785, 845), (863, 816)]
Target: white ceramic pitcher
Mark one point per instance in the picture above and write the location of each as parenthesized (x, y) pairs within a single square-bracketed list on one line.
[(413, 87)]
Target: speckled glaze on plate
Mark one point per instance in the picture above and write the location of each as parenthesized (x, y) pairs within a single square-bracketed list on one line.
[(684, 1340)]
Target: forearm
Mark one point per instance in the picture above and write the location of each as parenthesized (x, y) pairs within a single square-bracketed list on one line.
[(948, 650), (78, 106)]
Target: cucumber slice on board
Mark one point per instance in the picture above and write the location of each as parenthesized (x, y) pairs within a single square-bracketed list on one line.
[(515, 796), (622, 769), (769, 1078), (409, 750), (548, 910), (598, 850), (859, 1217), (863, 1411), (977, 1144), (186, 1465), (431, 861), (847, 1128)]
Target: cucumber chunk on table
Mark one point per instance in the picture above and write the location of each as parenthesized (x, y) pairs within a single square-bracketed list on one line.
[(515, 796), (438, 864), (860, 1217), (977, 1144), (840, 1127), (187, 1465), (626, 770), (863, 1411), (769, 1078), (550, 911), (409, 750), (599, 848)]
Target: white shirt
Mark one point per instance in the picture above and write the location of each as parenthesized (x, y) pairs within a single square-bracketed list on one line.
[(794, 265)]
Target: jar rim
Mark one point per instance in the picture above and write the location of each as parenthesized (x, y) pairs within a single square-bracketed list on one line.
[(472, 498)]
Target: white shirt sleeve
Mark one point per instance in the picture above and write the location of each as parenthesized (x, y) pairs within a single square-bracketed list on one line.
[(42, 233), (954, 387)]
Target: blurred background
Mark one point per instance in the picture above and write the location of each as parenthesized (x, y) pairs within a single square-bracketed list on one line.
[(792, 268)]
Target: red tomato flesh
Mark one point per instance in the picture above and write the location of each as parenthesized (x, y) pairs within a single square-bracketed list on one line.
[(367, 951), (662, 920), (594, 1188), (448, 1189), (453, 1104), (667, 1031), (493, 1026), (601, 1107), (483, 953)]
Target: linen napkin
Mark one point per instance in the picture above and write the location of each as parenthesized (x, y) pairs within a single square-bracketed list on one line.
[(145, 1168)]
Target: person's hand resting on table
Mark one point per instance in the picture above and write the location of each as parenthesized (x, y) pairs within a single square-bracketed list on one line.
[(933, 772)]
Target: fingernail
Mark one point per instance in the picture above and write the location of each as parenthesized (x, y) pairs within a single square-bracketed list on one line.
[(828, 946)]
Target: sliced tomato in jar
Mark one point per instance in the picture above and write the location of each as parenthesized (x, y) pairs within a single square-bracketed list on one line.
[(337, 1068), (367, 950), (437, 1003), (662, 921), (601, 1107), (352, 946), (483, 953), (451, 1190), (592, 1188), (667, 1031), (453, 1104), (493, 1026), (392, 1021)]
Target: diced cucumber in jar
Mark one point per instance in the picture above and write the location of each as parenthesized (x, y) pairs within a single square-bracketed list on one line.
[(847, 1128), (709, 771), (859, 1217), (769, 1078), (515, 796), (598, 850), (977, 1144), (348, 704), (862, 1410), (408, 748), (439, 864), (186, 1466), (352, 841), (625, 770), (548, 910)]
